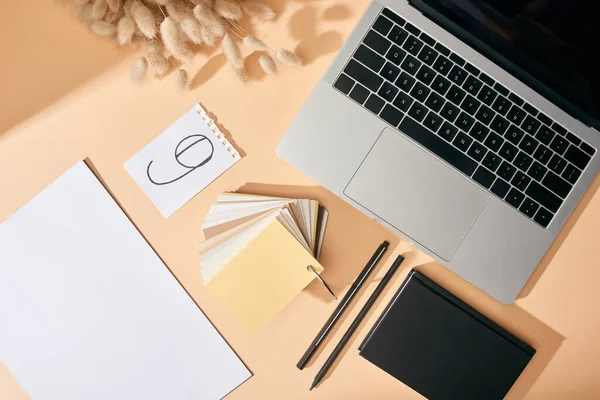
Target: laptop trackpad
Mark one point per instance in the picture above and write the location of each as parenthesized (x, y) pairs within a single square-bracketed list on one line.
[(417, 194)]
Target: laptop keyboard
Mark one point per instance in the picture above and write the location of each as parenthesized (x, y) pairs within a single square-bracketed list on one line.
[(465, 117)]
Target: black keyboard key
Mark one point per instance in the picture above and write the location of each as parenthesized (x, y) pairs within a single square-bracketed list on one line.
[(529, 207), (559, 129), (457, 75), (448, 131), (388, 91), (523, 161), (412, 29), (374, 103), (455, 94), (543, 154), (427, 39), (487, 79), (462, 141), (587, 148), (426, 75), (470, 105), (420, 92), (359, 94), (487, 95), (571, 174), (363, 75), (544, 119), (515, 99), (411, 65), (577, 157), (515, 198), (485, 115), (383, 25), (493, 142), (395, 54), (537, 171), (557, 164), (473, 70), (377, 42), (393, 16), (506, 171), (464, 121), (427, 55), (472, 85), (412, 45), (443, 65), (520, 181), (501, 89), (514, 134), (477, 151), (543, 217), (501, 105), (499, 125), (543, 196), (403, 101), (390, 72), (557, 184), (369, 58), (530, 109), (438, 146), (397, 35), (516, 115), (530, 125), (449, 111), (508, 151), (528, 144), (344, 84), (544, 135), (391, 114), (457, 59), (484, 177), (433, 121), (573, 139), (559, 144), (405, 82), (441, 85), (492, 161), (500, 188), (442, 49), (435, 102), (479, 132), (418, 111)]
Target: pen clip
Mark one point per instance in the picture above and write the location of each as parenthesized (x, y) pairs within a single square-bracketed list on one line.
[(314, 271)]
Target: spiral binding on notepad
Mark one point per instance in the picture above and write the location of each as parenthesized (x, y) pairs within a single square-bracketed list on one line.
[(211, 124)]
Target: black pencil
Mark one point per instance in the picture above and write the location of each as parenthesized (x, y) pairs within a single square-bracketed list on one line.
[(338, 349), (339, 310)]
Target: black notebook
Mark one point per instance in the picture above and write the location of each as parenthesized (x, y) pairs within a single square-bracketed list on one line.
[(441, 347)]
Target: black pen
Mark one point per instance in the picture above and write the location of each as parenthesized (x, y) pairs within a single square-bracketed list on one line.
[(338, 349), (337, 313)]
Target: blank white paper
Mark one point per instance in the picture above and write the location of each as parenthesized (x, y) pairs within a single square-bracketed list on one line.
[(89, 311)]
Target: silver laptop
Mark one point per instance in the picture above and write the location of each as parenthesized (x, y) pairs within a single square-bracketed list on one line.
[(469, 127)]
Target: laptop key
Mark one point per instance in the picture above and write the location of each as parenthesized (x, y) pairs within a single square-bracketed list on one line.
[(369, 58), (506, 171), (544, 135), (472, 85), (528, 144), (417, 111), (515, 198), (543, 196), (501, 105), (433, 121), (393, 16), (464, 122), (516, 115), (492, 161), (523, 161), (426, 74), (395, 54), (499, 124), (543, 154), (588, 149), (486, 79), (504, 91), (449, 111), (530, 109), (557, 164), (411, 64), (442, 49), (537, 171), (441, 85), (359, 94), (484, 177), (543, 217), (438, 146), (516, 99), (377, 42), (388, 91), (462, 141), (500, 188), (494, 142), (477, 151), (412, 29), (557, 184), (508, 151), (390, 72), (403, 101), (435, 102), (520, 181), (457, 75), (473, 70), (457, 59), (573, 139), (420, 92), (571, 174), (514, 134), (479, 132), (559, 144), (485, 115), (391, 115), (530, 125), (559, 129), (427, 55), (448, 131), (487, 95), (405, 82), (443, 65), (344, 84), (577, 157), (412, 45), (470, 105), (397, 35), (529, 207), (427, 39), (456, 94), (383, 25), (363, 75), (544, 119), (374, 104)]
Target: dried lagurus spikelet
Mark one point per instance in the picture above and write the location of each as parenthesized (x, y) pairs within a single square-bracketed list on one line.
[(181, 80), (114, 5), (232, 53), (179, 10), (144, 19), (192, 28), (229, 9), (103, 28), (155, 54), (125, 30), (253, 43), (99, 9), (258, 10), (286, 57), (174, 41), (138, 70), (211, 21), (127, 7), (267, 64)]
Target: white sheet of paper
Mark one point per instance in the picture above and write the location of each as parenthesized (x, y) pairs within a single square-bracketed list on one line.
[(182, 161), (89, 311)]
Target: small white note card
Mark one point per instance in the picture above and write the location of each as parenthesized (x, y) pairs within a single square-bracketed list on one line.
[(182, 161)]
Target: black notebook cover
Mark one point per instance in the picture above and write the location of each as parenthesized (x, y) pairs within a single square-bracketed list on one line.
[(441, 347)]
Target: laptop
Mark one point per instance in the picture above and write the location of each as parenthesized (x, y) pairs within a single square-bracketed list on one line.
[(469, 127)]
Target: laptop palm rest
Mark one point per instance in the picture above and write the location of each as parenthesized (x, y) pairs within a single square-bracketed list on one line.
[(417, 194)]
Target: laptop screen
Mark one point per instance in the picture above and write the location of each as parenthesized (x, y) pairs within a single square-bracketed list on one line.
[(551, 41)]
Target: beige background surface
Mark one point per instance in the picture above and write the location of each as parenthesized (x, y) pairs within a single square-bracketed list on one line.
[(66, 96)]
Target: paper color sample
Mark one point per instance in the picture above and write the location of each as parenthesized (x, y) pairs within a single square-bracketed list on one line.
[(89, 311)]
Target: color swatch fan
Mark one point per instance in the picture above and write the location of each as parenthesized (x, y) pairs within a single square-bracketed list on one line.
[(260, 252)]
